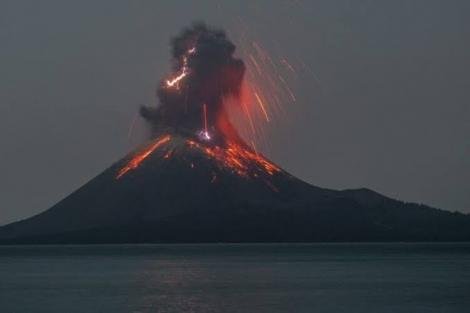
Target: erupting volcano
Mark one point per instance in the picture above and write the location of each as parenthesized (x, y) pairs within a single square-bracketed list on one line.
[(197, 180), (191, 110)]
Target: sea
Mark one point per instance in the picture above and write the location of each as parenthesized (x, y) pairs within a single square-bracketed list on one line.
[(270, 278)]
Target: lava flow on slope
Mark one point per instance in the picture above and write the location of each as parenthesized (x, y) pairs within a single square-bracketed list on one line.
[(202, 178), (235, 158), (141, 156), (193, 100)]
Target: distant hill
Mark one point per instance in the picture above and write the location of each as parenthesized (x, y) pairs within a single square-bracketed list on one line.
[(186, 191)]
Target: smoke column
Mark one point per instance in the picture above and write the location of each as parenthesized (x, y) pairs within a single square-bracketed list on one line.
[(205, 72), (192, 105)]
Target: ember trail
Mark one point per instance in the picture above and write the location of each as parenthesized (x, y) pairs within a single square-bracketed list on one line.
[(191, 108), (198, 181)]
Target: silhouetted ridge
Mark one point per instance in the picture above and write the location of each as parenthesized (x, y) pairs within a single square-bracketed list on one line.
[(189, 196)]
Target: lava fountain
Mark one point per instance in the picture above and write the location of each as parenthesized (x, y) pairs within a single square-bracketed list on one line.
[(192, 100)]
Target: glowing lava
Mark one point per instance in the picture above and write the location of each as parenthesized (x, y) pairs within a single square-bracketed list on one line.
[(266, 92), (137, 159), (211, 83), (237, 158)]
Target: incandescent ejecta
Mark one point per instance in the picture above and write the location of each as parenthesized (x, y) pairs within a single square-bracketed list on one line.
[(191, 102), (197, 180)]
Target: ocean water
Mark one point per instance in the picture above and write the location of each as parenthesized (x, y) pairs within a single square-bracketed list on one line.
[(236, 278)]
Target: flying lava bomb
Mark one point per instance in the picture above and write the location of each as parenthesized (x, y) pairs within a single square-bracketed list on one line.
[(198, 180), (191, 103), (205, 73)]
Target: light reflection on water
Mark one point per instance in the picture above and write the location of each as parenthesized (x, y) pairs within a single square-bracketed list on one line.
[(236, 278)]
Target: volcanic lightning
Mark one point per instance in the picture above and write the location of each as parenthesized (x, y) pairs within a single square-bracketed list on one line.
[(174, 82), (208, 80)]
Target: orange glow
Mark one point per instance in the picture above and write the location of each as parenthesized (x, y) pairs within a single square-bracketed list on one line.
[(260, 102), (237, 158), (205, 117), (266, 92), (138, 158)]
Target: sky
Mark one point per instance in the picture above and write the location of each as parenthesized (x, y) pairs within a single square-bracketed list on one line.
[(384, 104)]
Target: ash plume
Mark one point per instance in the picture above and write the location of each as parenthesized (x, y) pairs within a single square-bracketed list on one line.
[(205, 72)]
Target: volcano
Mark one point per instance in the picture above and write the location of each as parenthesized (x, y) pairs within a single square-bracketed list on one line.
[(184, 192), (197, 180)]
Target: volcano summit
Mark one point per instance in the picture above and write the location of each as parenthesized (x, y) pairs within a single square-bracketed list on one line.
[(197, 180)]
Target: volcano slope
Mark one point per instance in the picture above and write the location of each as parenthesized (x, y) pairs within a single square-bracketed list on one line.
[(183, 191), (197, 180)]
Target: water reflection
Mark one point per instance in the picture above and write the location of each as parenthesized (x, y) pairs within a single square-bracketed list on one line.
[(236, 278)]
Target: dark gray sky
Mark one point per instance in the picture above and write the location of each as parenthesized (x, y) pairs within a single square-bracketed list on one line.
[(387, 106)]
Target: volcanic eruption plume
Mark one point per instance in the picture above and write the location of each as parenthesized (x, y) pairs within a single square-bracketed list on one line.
[(191, 99), (196, 180)]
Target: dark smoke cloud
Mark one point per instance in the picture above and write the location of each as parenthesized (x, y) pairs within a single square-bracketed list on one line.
[(212, 74)]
